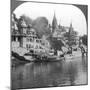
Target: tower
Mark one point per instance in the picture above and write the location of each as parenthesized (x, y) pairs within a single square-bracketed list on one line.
[(70, 28), (54, 23), (60, 27)]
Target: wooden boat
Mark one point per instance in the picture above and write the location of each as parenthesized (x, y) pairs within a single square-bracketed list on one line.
[(37, 57), (49, 58), (29, 56), (19, 58)]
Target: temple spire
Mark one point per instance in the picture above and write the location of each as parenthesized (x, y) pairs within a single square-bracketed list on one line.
[(59, 25), (54, 23), (70, 28), (71, 24)]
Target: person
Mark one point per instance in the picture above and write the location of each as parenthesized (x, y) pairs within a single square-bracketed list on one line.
[(55, 52), (60, 53), (82, 51), (69, 51)]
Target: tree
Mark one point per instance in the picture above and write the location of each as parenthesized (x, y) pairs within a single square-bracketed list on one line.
[(14, 23), (84, 39), (70, 36), (14, 17), (55, 43)]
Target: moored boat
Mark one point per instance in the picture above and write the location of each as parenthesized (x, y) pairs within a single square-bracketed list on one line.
[(48, 58)]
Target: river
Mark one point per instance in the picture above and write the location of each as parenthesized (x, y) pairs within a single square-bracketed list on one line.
[(50, 74)]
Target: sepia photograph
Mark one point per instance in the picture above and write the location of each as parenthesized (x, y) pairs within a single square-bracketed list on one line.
[(49, 46)]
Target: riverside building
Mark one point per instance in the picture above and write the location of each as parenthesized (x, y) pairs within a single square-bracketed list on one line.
[(26, 38)]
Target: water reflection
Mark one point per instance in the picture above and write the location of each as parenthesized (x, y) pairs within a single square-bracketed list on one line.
[(47, 74)]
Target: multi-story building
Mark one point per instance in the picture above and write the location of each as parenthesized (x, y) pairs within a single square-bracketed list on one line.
[(27, 38), (14, 32)]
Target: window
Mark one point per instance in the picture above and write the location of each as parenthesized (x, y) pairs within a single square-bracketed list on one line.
[(29, 46), (31, 40), (37, 41), (26, 45), (40, 41), (40, 47), (24, 31)]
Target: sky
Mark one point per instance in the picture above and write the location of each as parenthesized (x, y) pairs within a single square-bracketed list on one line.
[(65, 14)]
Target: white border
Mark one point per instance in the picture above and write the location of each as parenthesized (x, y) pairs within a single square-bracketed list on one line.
[(61, 1)]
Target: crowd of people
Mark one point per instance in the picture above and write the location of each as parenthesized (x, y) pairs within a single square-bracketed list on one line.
[(70, 50)]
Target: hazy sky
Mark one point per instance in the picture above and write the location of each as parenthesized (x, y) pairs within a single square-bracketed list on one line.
[(65, 14)]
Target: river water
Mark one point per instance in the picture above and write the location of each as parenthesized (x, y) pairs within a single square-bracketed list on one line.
[(50, 74)]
